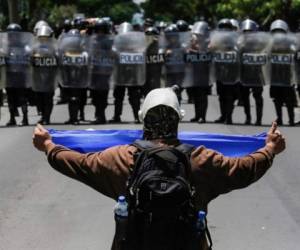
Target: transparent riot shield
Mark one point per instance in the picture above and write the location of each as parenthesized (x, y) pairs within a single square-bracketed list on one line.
[(2, 62), (44, 64), (17, 51), (198, 61), (282, 63), (154, 63), (254, 50), (297, 58), (130, 64), (73, 61), (175, 45), (223, 45), (101, 61)]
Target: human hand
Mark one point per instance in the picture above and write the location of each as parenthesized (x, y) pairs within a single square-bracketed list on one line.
[(275, 140), (41, 138)]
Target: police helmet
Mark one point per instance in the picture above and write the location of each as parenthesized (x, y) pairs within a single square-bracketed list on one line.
[(67, 25), (279, 25), (103, 25), (125, 27), (172, 28), (38, 25), (225, 23), (161, 25), (182, 26), (152, 31), (249, 25), (13, 27), (235, 24), (80, 23), (149, 22), (44, 31), (200, 28)]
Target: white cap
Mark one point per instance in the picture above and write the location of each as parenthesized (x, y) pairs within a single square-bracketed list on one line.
[(161, 96)]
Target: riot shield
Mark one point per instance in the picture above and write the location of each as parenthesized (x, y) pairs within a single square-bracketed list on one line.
[(175, 45), (44, 64), (73, 61), (254, 49), (154, 63), (101, 61), (17, 51), (198, 60), (282, 63), (297, 58), (223, 45), (130, 65), (2, 62)]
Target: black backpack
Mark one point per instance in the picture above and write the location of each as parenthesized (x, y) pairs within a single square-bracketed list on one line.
[(161, 213)]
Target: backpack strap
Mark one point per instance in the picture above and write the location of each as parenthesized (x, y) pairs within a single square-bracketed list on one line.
[(186, 148), (143, 144)]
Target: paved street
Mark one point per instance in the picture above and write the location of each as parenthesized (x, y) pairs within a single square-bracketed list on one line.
[(41, 209)]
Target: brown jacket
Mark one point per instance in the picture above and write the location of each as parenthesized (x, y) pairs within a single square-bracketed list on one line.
[(213, 173)]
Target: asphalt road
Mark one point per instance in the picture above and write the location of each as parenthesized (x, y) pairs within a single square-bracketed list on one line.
[(41, 209)]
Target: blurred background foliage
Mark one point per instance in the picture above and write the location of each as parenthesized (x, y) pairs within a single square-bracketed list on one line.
[(27, 12)]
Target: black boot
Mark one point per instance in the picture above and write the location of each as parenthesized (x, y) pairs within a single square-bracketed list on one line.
[(222, 118), (12, 120), (47, 113), (73, 112), (25, 116), (136, 116), (291, 114), (278, 108), (118, 111), (81, 114), (203, 108), (197, 106), (259, 112)]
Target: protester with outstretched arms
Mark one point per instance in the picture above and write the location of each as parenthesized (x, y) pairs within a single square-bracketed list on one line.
[(212, 173)]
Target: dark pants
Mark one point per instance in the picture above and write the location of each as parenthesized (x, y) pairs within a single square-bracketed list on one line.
[(17, 97), (134, 94), (228, 94), (200, 99), (45, 102), (259, 102), (99, 100), (281, 96), (74, 102)]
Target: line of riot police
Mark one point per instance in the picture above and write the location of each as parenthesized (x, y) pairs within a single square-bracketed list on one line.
[(91, 55)]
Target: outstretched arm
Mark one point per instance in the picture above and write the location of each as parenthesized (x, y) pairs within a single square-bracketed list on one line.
[(105, 171), (224, 174)]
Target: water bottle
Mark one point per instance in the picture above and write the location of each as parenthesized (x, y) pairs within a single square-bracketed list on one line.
[(201, 222), (121, 218)]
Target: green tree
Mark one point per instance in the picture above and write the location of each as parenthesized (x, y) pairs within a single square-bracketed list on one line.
[(60, 13), (164, 10)]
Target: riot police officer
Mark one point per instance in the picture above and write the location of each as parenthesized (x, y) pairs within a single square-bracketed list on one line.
[(154, 60), (73, 62), (226, 67), (17, 58), (130, 67), (253, 48), (66, 27), (174, 67), (101, 67), (281, 70), (198, 60), (44, 71), (81, 24)]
